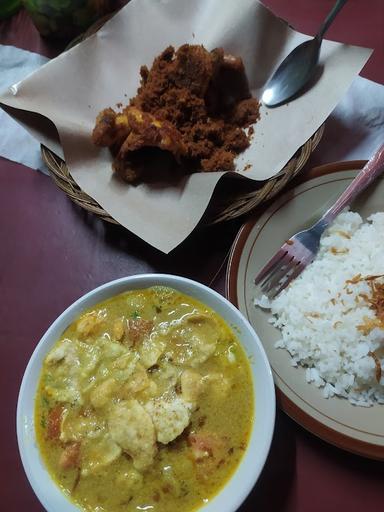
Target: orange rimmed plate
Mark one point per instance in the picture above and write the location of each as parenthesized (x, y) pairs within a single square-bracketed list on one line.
[(357, 429)]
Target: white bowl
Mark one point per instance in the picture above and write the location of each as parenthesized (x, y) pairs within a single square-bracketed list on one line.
[(249, 469)]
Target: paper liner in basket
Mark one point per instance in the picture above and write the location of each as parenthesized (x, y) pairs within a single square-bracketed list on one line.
[(104, 70)]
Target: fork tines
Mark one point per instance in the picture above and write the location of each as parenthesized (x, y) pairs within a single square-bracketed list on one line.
[(288, 262)]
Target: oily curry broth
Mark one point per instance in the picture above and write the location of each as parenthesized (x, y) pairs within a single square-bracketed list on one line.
[(145, 401)]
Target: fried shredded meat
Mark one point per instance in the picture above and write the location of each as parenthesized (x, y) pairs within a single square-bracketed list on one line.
[(376, 302), (192, 104), (377, 365), (377, 298)]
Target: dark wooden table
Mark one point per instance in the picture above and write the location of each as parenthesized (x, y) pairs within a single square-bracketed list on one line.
[(51, 252)]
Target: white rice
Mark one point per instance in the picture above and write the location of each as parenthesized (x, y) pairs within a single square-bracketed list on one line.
[(319, 312)]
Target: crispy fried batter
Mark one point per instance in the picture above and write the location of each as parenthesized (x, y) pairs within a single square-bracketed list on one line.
[(147, 131), (110, 128), (192, 104)]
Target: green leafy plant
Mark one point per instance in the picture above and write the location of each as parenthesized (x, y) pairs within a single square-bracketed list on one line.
[(9, 7), (65, 18)]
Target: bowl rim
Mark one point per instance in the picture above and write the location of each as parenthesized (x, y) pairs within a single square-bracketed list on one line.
[(236, 489)]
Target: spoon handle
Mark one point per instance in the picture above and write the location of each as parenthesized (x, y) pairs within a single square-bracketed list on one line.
[(328, 20)]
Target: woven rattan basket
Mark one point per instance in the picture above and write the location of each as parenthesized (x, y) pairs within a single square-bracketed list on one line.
[(242, 198), (228, 201)]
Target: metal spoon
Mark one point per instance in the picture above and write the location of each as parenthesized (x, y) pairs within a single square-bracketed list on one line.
[(298, 67)]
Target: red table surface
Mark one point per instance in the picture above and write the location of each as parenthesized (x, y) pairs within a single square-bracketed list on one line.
[(51, 252)]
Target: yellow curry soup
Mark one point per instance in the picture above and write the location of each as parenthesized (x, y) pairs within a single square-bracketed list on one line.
[(145, 402)]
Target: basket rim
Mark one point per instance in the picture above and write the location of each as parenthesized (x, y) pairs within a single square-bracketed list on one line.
[(241, 204)]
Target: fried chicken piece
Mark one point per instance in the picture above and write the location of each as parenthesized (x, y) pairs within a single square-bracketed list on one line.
[(130, 132), (110, 128), (104, 131), (131, 169), (193, 69), (229, 84), (147, 131), (175, 77), (144, 132), (190, 109)]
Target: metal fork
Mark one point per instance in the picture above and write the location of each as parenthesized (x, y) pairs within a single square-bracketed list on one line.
[(300, 250)]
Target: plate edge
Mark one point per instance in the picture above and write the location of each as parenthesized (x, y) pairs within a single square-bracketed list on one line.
[(315, 427)]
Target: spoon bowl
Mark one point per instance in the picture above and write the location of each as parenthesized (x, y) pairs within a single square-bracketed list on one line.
[(298, 67), (293, 73)]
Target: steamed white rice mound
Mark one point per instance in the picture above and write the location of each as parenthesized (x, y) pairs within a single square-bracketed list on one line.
[(318, 314)]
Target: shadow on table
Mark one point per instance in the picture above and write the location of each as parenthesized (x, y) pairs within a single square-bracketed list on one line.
[(339, 139), (273, 489), (202, 256)]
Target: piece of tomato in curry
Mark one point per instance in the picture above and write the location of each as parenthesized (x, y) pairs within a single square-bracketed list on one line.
[(145, 402)]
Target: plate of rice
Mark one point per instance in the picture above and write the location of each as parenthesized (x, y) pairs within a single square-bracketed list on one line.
[(324, 334)]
